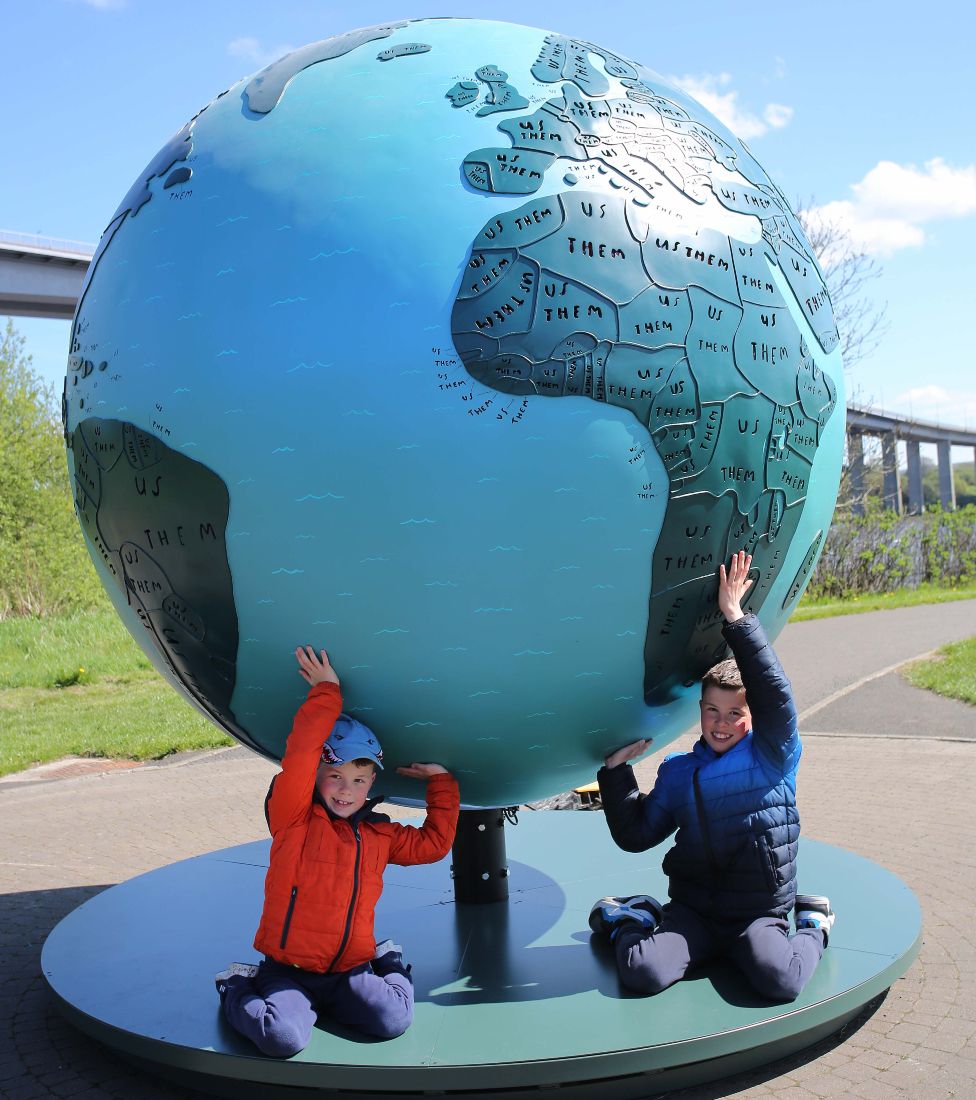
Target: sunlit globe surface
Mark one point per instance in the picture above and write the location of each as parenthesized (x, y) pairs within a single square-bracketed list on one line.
[(466, 351)]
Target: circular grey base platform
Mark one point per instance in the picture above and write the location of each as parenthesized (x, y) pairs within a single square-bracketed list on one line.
[(514, 996)]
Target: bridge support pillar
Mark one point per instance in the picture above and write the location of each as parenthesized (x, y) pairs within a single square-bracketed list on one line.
[(891, 489), (916, 499), (855, 469), (947, 487)]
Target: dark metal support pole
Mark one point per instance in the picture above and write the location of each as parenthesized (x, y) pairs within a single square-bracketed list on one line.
[(479, 864)]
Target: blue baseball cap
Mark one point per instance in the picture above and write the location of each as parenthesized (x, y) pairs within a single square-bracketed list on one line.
[(351, 740)]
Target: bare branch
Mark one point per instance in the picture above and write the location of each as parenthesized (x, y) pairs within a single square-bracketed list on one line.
[(849, 271)]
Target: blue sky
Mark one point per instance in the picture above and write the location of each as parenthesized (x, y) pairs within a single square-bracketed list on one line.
[(863, 108)]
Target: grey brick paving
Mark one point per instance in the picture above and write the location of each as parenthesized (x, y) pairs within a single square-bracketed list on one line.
[(906, 801)]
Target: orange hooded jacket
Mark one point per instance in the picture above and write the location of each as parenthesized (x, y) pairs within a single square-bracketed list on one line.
[(326, 873)]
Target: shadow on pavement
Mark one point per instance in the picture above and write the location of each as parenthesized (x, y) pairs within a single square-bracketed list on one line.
[(40, 1054)]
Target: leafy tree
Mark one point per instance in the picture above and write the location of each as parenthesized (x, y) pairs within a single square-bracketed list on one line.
[(882, 551), (963, 477), (44, 566)]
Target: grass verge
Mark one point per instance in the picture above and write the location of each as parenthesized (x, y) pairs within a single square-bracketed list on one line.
[(824, 608), (139, 719), (62, 650), (78, 685), (952, 672)]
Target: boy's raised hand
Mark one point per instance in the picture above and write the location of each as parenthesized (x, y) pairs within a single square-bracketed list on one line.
[(422, 771), (627, 753), (733, 585), (315, 669)]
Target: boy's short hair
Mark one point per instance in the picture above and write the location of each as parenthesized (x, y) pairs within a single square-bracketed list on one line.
[(724, 675), (361, 762)]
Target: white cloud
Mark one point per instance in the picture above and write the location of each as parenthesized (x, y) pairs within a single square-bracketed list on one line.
[(778, 115), (104, 5), (894, 201), (937, 191), (939, 404), (876, 236), (255, 52), (714, 93)]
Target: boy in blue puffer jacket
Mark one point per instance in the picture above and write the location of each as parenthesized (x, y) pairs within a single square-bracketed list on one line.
[(732, 800)]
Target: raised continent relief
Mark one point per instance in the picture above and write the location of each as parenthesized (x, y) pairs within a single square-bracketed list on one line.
[(404, 49), (158, 520), (572, 296), (686, 327), (264, 90)]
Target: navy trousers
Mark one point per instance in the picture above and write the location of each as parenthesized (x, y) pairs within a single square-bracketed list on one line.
[(776, 965), (277, 1008)]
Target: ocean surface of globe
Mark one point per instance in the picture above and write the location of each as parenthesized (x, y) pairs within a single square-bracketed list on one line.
[(466, 351)]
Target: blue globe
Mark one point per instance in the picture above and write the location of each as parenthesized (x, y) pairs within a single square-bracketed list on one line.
[(466, 351)]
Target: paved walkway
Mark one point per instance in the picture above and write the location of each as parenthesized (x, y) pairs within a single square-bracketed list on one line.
[(888, 772)]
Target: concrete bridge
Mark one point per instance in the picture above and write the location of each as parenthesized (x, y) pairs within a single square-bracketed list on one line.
[(892, 429), (43, 277)]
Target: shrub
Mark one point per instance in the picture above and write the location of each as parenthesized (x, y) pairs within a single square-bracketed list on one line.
[(44, 565), (881, 551)]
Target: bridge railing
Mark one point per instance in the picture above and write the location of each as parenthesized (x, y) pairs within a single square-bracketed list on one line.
[(43, 243)]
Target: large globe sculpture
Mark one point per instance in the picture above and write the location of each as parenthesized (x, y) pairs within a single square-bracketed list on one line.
[(466, 351)]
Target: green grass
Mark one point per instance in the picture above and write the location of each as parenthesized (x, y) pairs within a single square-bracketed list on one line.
[(80, 648), (856, 605), (79, 685), (140, 719), (952, 672)]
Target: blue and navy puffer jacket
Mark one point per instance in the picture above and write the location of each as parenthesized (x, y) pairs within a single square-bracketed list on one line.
[(734, 855)]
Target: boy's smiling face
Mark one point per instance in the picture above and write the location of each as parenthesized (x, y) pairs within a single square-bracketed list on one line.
[(725, 717), (344, 788)]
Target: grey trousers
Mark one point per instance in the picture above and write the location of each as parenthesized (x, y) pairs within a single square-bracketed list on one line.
[(776, 965)]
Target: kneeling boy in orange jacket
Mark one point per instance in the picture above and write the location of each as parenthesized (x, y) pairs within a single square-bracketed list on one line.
[(328, 852)]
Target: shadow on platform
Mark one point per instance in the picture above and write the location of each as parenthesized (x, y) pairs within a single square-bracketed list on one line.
[(510, 996)]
